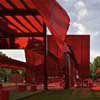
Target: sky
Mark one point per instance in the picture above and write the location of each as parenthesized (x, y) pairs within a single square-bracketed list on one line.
[(15, 54), (85, 19)]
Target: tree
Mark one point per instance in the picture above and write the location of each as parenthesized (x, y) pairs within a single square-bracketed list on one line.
[(96, 61), (20, 72), (92, 70), (4, 73), (2, 54), (94, 66)]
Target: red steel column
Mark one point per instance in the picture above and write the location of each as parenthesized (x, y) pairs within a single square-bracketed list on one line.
[(45, 59)]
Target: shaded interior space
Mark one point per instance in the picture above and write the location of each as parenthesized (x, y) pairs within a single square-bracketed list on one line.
[(74, 62)]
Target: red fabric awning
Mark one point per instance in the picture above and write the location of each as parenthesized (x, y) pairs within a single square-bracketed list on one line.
[(56, 19)]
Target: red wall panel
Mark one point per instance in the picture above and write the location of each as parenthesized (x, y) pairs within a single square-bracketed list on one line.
[(81, 47)]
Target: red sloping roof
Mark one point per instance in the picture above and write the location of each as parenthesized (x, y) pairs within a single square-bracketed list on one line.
[(11, 63)]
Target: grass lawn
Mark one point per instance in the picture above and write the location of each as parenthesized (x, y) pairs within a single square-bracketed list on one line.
[(77, 94), (16, 95), (49, 95)]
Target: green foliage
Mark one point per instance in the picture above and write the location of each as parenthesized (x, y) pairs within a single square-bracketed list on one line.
[(21, 72), (93, 67), (15, 72), (75, 94), (1, 54), (5, 73), (96, 61), (92, 71)]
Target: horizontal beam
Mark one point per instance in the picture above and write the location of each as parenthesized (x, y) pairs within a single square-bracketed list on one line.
[(33, 12), (34, 34)]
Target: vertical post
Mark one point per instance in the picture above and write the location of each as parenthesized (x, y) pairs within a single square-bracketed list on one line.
[(28, 75), (12, 42), (66, 71), (45, 58), (69, 70)]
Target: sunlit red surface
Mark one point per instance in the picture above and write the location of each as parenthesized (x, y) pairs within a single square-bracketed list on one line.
[(22, 42)]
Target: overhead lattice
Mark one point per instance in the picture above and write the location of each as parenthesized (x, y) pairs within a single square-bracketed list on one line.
[(19, 18)]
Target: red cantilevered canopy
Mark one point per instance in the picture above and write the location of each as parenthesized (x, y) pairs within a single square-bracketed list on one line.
[(20, 18)]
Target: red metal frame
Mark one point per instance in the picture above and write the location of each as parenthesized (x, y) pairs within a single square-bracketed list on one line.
[(11, 14)]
